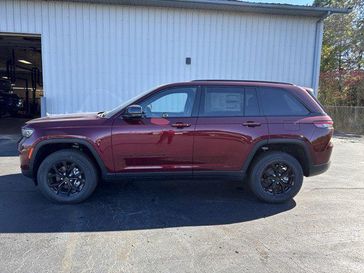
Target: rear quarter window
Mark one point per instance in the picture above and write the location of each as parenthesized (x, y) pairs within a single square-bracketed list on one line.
[(279, 102), (251, 102), (321, 108)]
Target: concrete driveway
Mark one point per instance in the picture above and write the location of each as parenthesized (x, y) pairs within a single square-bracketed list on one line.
[(186, 226)]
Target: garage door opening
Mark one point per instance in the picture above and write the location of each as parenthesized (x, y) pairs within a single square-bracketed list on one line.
[(21, 83)]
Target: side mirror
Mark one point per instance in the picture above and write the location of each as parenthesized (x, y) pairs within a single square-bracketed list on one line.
[(133, 112)]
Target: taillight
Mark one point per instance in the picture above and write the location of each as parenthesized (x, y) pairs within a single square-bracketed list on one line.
[(327, 124)]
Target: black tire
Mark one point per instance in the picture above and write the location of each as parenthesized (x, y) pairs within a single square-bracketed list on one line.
[(279, 191), (83, 165)]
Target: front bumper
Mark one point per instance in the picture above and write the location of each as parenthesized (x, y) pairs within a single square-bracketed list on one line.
[(27, 173), (25, 158)]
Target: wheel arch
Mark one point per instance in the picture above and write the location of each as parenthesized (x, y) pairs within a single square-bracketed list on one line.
[(295, 147), (49, 146)]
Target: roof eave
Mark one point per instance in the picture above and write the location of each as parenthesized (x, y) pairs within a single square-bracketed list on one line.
[(225, 5)]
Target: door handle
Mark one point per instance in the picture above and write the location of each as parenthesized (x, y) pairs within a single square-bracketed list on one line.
[(251, 124), (180, 125)]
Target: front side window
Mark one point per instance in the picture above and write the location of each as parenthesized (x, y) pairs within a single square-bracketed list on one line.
[(175, 102), (225, 101), (278, 102)]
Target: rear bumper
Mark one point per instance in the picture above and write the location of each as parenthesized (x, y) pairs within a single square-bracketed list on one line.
[(318, 169)]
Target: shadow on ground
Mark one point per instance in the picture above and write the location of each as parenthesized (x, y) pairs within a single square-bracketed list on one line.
[(8, 146), (130, 205)]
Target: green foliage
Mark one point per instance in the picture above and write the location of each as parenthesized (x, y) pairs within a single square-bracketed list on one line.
[(342, 59)]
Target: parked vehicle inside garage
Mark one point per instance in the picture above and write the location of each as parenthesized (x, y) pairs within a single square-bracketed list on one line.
[(10, 103), (274, 133)]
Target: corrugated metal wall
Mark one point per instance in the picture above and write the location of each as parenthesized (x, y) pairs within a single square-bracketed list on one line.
[(95, 56)]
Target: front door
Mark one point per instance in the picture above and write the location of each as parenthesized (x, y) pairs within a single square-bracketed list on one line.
[(163, 139)]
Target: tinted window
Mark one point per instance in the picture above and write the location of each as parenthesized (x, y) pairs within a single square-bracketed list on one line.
[(176, 102), (278, 102), (223, 101), (251, 102)]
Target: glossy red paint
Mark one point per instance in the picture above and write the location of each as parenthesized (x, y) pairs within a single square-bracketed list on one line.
[(183, 144), (152, 145), (224, 143), (88, 127)]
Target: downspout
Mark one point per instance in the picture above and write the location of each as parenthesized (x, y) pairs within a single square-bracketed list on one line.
[(317, 53)]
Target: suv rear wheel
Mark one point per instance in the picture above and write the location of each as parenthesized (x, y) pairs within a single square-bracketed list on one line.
[(276, 177), (67, 176)]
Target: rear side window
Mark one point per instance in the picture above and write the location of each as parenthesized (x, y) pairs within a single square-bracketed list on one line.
[(278, 102), (226, 101), (251, 102)]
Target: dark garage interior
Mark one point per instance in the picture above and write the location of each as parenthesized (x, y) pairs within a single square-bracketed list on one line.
[(21, 85)]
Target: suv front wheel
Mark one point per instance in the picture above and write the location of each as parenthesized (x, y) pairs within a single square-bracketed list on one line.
[(276, 177), (67, 176)]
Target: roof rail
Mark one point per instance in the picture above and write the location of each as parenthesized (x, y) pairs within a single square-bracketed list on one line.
[(211, 80)]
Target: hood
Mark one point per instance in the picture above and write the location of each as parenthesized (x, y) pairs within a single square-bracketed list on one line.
[(66, 118)]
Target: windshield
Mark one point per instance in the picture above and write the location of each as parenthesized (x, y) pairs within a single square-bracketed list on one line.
[(114, 111)]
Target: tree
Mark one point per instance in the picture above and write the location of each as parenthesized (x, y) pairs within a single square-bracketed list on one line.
[(342, 60)]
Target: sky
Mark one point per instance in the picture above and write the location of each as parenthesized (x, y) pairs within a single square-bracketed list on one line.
[(293, 2)]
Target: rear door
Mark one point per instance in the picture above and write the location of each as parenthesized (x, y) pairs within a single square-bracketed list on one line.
[(228, 126)]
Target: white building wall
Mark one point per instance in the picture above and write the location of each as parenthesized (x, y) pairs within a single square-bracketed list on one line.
[(95, 56)]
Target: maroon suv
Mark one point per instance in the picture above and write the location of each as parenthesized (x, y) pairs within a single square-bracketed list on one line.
[(275, 133)]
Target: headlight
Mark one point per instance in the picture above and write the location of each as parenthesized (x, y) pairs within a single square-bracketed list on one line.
[(20, 103), (27, 132)]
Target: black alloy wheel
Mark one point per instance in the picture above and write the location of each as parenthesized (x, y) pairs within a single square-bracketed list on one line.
[(277, 178), (66, 177)]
